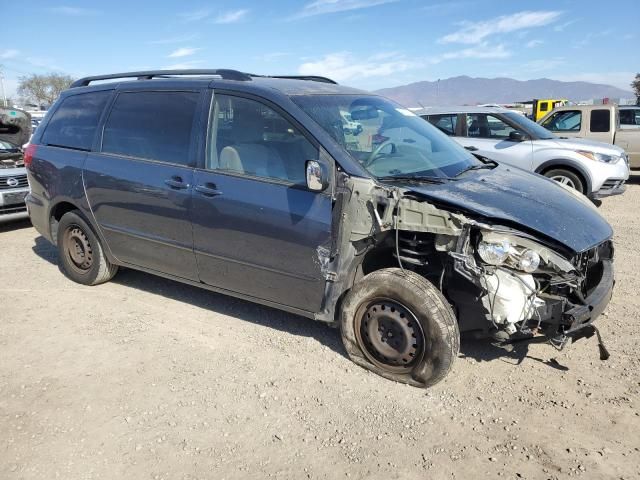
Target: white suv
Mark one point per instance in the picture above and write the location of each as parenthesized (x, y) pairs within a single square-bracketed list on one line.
[(593, 168)]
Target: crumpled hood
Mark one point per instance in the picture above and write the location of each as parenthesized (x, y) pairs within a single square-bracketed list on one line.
[(520, 198)]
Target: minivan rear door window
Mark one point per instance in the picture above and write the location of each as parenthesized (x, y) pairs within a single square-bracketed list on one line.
[(152, 125)]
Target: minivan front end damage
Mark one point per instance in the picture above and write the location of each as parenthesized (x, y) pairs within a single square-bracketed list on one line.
[(501, 282)]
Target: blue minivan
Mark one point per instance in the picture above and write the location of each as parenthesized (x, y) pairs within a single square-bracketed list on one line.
[(254, 186)]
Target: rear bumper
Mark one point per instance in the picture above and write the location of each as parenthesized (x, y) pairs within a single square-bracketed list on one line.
[(38, 214)]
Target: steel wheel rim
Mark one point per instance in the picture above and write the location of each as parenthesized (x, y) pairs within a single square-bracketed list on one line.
[(390, 335), (78, 249), (564, 181)]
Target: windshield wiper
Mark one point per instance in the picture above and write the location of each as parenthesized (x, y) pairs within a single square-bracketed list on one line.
[(489, 164), (415, 178)]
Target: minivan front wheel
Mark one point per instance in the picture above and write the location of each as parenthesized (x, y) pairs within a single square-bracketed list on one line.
[(398, 325), (566, 177), (81, 256)]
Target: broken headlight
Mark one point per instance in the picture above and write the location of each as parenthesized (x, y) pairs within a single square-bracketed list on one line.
[(503, 251)]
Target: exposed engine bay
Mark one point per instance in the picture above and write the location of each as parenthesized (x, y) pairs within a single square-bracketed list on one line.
[(502, 283)]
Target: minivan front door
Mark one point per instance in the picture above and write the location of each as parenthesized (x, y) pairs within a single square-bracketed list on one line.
[(139, 185), (258, 230)]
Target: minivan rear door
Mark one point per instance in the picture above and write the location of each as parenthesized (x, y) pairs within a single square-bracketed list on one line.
[(258, 230), (139, 182)]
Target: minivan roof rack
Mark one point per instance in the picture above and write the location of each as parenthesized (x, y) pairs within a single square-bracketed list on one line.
[(312, 78), (149, 74), (225, 74)]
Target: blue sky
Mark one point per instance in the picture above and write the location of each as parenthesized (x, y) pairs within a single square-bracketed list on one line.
[(365, 43)]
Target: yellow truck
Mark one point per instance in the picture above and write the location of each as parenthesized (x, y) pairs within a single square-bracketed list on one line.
[(543, 106)]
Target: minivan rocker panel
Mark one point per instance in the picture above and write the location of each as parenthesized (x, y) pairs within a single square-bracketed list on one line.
[(383, 227)]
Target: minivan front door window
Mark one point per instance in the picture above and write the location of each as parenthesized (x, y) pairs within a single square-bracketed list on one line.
[(249, 138)]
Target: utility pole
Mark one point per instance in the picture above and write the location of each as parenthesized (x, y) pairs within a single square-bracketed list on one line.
[(4, 97)]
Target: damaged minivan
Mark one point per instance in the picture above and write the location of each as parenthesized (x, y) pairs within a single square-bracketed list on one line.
[(255, 187)]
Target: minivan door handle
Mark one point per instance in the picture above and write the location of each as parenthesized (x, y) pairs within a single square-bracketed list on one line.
[(471, 148), (176, 182), (208, 190)]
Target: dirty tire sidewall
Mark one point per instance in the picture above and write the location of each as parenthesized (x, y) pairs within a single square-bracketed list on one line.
[(438, 322), (101, 269)]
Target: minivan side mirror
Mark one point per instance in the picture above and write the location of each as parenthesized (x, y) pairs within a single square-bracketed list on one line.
[(317, 176), (516, 136)]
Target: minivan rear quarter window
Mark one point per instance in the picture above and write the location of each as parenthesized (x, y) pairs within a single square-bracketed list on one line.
[(73, 124), (151, 125)]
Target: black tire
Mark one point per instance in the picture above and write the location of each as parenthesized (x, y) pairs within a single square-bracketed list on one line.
[(409, 307), (573, 180), (80, 253)]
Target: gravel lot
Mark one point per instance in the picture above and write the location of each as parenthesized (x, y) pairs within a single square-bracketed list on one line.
[(146, 378)]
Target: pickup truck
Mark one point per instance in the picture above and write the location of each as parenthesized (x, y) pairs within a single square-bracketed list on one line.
[(594, 122)]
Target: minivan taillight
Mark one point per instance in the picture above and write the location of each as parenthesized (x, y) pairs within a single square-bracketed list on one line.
[(29, 152)]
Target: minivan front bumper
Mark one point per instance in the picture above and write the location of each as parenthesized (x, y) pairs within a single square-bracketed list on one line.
[(581, 316)]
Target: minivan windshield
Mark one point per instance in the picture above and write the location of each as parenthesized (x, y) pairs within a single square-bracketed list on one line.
[(536, 131), (385, 138)]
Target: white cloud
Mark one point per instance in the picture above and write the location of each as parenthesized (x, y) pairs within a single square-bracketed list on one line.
[(183, 52), (533, 43), (195, 15), (231, 16), (482, 51), (321, 7), (476, 32), (184, 65), (343, 66), (7, 54), (561, 27), (74, 11)]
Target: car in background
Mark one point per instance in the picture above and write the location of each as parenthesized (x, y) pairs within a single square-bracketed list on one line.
[(592, 168), (15, 130), (595, 122), (629, 116)]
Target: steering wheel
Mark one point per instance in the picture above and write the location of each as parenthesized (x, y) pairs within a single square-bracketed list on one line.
[(376, 153)]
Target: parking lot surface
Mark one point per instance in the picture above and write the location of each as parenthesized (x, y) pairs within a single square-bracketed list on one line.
[(147, 378)]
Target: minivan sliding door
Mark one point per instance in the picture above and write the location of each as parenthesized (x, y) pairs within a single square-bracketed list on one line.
[(139, 184)]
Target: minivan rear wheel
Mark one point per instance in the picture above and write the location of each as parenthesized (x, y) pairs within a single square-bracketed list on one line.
[(398, 325), (566, 177), (80, 253)]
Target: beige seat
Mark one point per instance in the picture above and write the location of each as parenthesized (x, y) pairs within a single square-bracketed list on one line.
[(253, 159)]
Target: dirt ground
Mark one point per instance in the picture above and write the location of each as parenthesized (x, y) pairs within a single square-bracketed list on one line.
[(144, 378)]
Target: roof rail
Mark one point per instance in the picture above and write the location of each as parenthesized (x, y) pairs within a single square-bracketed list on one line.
[(149, 74), (312, 78)]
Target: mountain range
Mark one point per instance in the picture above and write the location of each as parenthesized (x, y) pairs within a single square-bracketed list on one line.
[(466, 90)]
